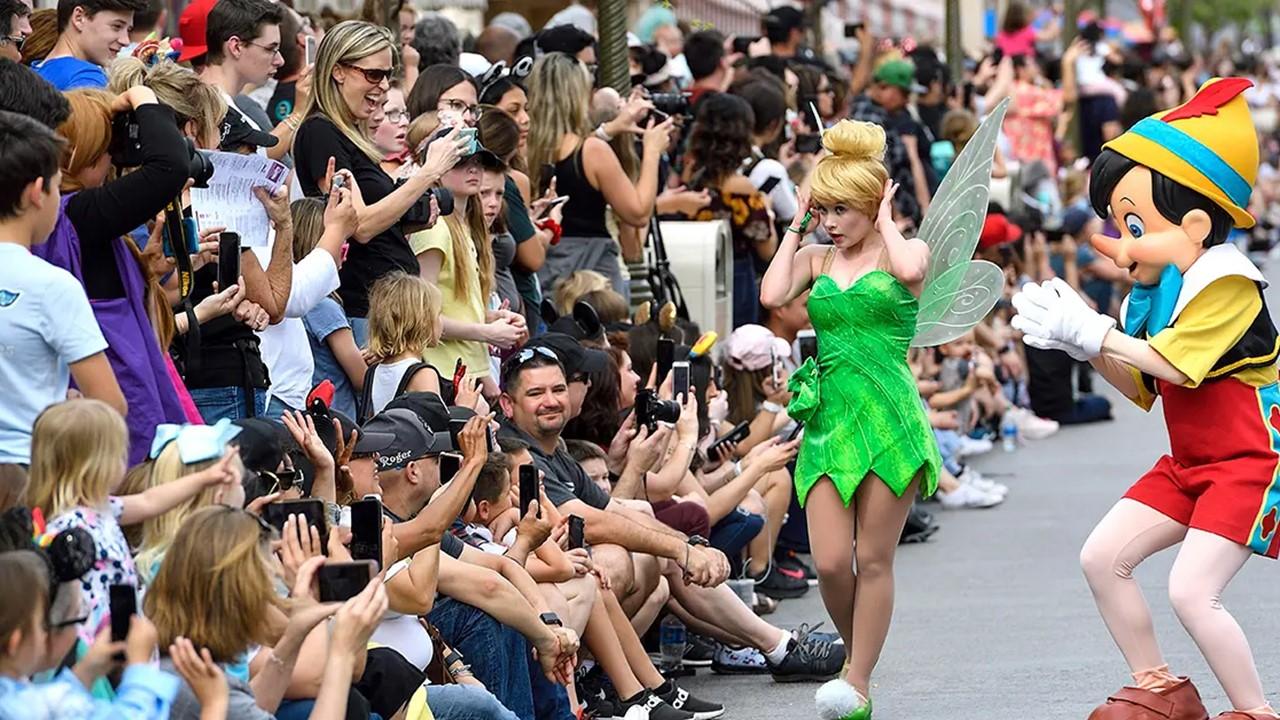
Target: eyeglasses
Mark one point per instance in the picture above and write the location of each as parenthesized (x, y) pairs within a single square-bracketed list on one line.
[(272, 50), (395, 116), (282, 480), (15, 40), (373, 76), (460, 107)]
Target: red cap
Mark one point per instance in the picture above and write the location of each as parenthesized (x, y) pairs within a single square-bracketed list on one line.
[(997, 230), (191, 26)]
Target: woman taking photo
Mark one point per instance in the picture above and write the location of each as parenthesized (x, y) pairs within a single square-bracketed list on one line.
[(718, 143), (353, 72), (585, 169)]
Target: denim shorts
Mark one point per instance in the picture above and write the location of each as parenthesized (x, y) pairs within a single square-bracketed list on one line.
[(215, 404)]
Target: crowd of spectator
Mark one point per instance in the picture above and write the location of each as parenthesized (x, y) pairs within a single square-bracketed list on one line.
[(439, 319)]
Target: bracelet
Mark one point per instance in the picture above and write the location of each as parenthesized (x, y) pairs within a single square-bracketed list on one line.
[(554, 227), (770, 406), (293, 121)]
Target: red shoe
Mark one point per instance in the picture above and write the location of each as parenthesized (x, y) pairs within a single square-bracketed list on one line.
[(1180, 702)]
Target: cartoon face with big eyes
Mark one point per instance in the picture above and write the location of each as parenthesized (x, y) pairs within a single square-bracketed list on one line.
[(1149, 241)]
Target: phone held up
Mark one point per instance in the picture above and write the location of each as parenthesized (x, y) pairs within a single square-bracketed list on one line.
[(228, 260), (577, 532), (680, 382), (366, 529), (529, 488), (808, 342), (124, 605), (341, 581)]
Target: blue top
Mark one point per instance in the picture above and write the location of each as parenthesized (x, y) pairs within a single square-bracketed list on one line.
[(145, 693), (69, 73)]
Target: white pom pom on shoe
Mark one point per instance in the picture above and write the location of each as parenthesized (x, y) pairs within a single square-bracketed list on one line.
[(838, 700)]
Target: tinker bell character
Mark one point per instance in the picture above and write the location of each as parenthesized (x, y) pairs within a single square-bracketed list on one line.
[(868, 447), (1197, 334)]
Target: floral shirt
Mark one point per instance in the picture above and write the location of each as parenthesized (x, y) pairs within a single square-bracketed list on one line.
[(748, 218), (113, 567), (1029, 124)]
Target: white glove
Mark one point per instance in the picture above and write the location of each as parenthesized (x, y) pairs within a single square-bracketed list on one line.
[(1054, 312)]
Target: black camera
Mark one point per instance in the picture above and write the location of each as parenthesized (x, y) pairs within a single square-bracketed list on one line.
[(650, 410), (419, 214), (671, 103), (126, 149)]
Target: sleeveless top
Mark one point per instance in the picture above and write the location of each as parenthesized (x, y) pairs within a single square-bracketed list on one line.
[(584, 210)]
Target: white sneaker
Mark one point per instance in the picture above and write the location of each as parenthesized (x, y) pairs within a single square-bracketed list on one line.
[(969, 476), (974, 446), (1033, 427), (967, 496)]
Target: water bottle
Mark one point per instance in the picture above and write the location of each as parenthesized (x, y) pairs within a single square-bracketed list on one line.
[(671, 641), (1009, 432)]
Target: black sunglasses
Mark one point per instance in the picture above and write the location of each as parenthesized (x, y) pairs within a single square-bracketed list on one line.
[(374, 76), (282, 480)]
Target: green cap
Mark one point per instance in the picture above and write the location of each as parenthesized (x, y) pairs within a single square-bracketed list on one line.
[(899, 73)]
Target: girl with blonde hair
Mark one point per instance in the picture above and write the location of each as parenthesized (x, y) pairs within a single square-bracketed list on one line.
[(78, 453), (403, 322), (863, 302)]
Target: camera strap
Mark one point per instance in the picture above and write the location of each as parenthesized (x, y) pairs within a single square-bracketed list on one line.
[(179, 244)]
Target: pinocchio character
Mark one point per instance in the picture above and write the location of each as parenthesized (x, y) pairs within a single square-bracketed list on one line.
[(1197, 334)]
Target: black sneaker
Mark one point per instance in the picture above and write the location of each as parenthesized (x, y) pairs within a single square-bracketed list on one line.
[(597, 694), (698, 651), (657, 707), (808, 660), (680, 699), (780, 586), (791, 564)]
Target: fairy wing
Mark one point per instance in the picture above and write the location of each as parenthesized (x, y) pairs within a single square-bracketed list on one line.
[(958, 290)]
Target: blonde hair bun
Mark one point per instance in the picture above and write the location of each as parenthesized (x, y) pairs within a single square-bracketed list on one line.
[(855, 140)]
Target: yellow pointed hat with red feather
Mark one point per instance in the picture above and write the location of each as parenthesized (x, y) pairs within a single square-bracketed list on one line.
[(1208, 144)]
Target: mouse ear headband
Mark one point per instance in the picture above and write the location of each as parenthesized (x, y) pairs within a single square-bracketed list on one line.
[(519, 71)]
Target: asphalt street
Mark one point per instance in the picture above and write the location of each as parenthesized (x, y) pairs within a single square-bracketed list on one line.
[(994, 620)]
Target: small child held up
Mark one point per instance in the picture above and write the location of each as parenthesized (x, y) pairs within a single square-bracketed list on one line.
[(78, 459)]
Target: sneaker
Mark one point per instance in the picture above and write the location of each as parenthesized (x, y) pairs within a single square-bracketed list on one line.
[(597, 694), (974, 446), (744, 661), (1033, 427), (763, 604), (698, 650), (809, 660), (680, 699), (779, 586), (969, 476), (790, 563), (815, 633), (968, 496), (656, 707)]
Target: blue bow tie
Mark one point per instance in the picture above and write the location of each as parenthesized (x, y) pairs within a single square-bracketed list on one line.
[(1151, 306)]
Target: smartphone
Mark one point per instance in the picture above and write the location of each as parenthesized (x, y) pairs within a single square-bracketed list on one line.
[(469, 135), (450, 464), (809, 143), (736, 435), (455, 430), (577, 532), (309, 50), (366, 529), (742, 45), (808, 341), (776, 366), (124, 605), (666, 356), (341, 581), (311, 509), (228, 260), (769, 184), (795, 432), (851, 30), (546, 210), (680, 378), (528, 488)]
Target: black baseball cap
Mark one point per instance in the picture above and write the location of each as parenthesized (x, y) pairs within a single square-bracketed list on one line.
[(410, 438), (568, 39), (238, 133), (428, 406), (576, 358), (261, 443), (786, 17)]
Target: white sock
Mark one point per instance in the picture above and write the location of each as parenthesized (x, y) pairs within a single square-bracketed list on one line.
[(778, 653)]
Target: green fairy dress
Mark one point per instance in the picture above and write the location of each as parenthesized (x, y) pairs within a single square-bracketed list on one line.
[(858, 401), (859, 404)]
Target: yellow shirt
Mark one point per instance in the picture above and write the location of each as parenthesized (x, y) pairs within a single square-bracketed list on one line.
[(1210, 325), (468, 307)]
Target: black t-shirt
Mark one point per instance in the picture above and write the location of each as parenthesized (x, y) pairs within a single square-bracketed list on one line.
[(282, 101), (564, 479), (228, 348), (317, 140)]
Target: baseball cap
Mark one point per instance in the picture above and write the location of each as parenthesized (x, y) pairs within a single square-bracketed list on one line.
[(428, 406), (410, 438), (237, 132), (753, 347), (261, 443), (900, 74), (568, 39), (997, 230), (577, 359), (785, 16), (191, 27), (582, 324)]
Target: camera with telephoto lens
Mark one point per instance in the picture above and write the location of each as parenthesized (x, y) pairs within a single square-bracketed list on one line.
[(419, 214), (126, 149), (672, 104), (650, 410)]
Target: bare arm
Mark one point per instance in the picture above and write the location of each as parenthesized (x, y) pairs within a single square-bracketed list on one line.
[(161, 499), (791, 270), (434, 520), (413, 590), (609, 527), (1140, 355), (342, 343), (514, 573), (908, 259), (95, 378), (631, 201), (1118, 374)]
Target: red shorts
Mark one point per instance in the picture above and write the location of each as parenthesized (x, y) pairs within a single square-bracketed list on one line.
[(1223, 475)]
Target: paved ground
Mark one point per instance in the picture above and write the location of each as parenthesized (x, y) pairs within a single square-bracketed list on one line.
[(994, 620)]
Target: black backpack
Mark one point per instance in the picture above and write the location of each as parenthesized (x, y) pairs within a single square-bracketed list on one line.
[(364, 408)]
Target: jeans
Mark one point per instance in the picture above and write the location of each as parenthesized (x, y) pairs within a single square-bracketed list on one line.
[(746, 293), (733, 533), (360, 331), (794, 534), (215, 404), (465, 702), (949, 444), (1087, 409), (276, 409), (494, 651), (550, 700)]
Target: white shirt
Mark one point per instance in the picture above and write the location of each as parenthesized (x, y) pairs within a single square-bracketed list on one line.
[(285, 349), (386, 379), (404, 633), (783, 194), (46, 324)]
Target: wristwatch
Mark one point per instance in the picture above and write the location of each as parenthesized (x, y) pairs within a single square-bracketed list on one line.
[(550, 618), (698, 540)]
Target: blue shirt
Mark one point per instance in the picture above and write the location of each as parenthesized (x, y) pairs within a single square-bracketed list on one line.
[(69, 73), (324, 320), (145, 693)]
